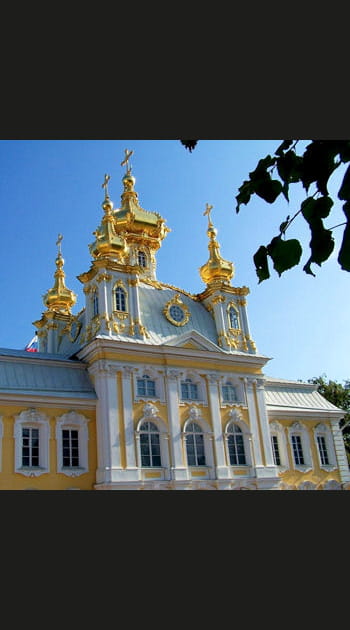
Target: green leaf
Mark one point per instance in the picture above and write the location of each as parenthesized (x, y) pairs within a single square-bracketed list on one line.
[(307, 268), (289, 167), (261, 264), (283, 147), (245, 192), (268, 189), (285, 254), (344, 252), (321, 244), (318, 164), (316, 208), (344, 191)]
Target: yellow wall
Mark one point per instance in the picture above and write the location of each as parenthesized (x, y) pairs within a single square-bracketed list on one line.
[(10, 480)]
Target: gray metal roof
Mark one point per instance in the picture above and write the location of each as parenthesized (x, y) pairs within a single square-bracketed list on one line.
[(39, 373), (294, 395)]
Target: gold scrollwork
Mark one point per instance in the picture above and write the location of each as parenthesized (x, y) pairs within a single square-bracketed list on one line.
[(176, 312)]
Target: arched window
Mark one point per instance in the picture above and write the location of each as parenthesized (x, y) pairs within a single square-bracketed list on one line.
[(233, 317), (195, 445), (229, 393), (141, 259), (146, 386), (149, 444), (189, 390), (120, 299), (94, 304), (300, 446), (235, 445)]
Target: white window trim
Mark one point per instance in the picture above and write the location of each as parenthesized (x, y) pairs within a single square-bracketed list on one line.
[(277, 429), (151, 414), (297, 428), (156, 377), (238, 384), (196, 416), (236, 418), (73, 420), (322, 430), (196, 380), (37, 420)]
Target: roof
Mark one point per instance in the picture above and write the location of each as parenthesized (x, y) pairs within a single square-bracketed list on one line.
[(293, 395), (43, 374)]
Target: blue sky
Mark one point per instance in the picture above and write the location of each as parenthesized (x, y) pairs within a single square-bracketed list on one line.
[(49, 187)]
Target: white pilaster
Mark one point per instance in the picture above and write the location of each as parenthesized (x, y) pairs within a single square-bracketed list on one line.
[(340, 452), (265, 430), (178, 470), (222, 470), (107, 425), (128, 418), (253, 420)]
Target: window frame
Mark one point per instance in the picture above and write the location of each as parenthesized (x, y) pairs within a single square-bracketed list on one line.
[(298, 429), (324, 431), (74, 421), (119, 291), (32, 419)]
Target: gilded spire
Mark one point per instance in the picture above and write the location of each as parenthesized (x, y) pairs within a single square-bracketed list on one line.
[(107, 243), (59, 299), (216, 270)]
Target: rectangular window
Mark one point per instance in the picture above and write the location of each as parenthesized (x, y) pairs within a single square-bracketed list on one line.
[(297, 450), (70, 446), (189, 391), (30, 447), (275, 450), (229, 393), (322, 450)]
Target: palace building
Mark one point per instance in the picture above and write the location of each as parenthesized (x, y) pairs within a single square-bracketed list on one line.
[(151, 387)]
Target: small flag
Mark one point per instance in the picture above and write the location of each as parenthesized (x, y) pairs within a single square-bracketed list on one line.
[(32, 346)]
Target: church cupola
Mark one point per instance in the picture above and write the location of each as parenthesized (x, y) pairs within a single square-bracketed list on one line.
[(142, 229), (226, 303), (217, 270), (59, 299), (108, 244)]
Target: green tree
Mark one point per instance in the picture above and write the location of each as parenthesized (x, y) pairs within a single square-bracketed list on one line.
[(313, 168), (339, 395)]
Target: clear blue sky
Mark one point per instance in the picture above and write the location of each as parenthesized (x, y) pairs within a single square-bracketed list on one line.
[(49, 187)]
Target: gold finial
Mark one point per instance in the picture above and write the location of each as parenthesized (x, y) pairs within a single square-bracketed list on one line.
[(207, 211), (58, 243), (125, 162), (105, 185)]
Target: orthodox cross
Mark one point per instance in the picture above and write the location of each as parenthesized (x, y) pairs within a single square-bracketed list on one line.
[(207, 211), (125, 162), (105, 185), (58, 242)]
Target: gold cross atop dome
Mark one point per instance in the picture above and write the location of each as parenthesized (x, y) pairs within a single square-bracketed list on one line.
[(207, 211), (125, 162), (105, 185), (58, 242)]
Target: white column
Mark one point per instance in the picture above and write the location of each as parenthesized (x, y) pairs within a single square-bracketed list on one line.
[(270, 468), (253, 421), (107, 424), (128, 418), (222, 470), (177, 468), (340, 452)]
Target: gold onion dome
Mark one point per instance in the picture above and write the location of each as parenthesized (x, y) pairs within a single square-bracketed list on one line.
[(108, 243), (59, 299), (216, 270), (139, 225)]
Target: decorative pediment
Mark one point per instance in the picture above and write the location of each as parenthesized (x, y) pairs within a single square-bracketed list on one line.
[(193, 340)]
